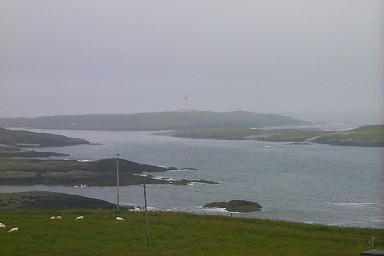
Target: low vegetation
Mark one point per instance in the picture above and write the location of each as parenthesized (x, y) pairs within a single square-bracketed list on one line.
[(17, 138), (276, 135), (49, 200), (74, 173), (365, 136), (172, 234), (173, 120), (13, 143)]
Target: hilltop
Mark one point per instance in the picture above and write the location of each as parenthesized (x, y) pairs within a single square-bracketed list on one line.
[(154, 121)]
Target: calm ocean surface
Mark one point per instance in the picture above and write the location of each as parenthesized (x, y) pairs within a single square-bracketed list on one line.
[(322, 184)]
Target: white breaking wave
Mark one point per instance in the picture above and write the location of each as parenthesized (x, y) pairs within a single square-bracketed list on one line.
[(215, 209), (197, 183)]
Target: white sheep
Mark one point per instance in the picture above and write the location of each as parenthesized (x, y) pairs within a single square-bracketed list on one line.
[(53, 217), (2, 225), (79, 218), (59, 217), (119, 218), (13, 230)]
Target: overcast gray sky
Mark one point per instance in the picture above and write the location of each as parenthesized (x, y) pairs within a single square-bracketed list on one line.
[(267, 56)]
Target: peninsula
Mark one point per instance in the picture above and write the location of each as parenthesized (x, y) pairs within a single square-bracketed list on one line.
[(14, 142), (76, 173), (20, 167), (155, 121), (364, 136)]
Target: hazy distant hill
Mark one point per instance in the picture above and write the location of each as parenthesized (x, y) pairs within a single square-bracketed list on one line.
[(155, 121), (26, 138), (364, 136)]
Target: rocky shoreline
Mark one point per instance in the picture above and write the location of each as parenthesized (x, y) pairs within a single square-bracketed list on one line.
[(236, 206), (33, 154), (363, 136), (92, 173), (43, 200), (21, 167)]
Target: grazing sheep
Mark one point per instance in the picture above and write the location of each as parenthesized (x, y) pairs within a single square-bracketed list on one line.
[(2, 225), (79, 218), (13, 230), (53, 217), (119, 218), (59, 217)]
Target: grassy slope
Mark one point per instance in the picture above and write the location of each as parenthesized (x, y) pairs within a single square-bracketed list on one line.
[(172, 234), (365, 136)]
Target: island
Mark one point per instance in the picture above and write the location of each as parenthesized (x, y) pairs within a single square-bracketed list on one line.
[(235, 206)]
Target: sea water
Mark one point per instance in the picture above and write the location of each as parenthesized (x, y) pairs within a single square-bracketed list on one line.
[(332, 185)]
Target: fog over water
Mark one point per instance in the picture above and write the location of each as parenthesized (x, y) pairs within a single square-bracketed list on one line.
[(314, 60)]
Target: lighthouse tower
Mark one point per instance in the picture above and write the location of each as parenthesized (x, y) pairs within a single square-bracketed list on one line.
[(186, 105)]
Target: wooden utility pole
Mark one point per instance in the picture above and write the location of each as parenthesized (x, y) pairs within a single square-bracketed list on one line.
[(117, 183), (146, 212)]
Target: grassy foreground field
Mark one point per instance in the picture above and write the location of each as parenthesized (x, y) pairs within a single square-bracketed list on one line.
[(172, 234)]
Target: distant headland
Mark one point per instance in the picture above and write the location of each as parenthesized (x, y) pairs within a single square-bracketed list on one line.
[(174, 120), (364, 136)]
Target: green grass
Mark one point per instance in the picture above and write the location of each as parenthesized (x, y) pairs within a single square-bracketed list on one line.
[(17, 174), (276, 135), (172, 234), (365, 136)]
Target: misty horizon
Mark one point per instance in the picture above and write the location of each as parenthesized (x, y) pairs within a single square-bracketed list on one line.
[(320, 61)]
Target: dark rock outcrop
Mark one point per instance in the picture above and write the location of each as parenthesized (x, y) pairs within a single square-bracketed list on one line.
[(50, 200), (236, 206)]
